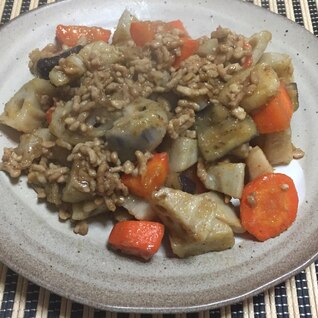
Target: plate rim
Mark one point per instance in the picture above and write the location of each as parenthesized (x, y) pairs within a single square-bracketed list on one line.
[(253, 292)]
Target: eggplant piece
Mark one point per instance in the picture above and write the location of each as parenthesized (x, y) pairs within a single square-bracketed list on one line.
[(187, 184), (218, 132), (46, 64), (211, 115), (241, 151), (142, 127), (186, 181), (217, 141)]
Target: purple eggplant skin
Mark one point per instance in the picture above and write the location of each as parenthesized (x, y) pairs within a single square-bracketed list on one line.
[(46, 64)]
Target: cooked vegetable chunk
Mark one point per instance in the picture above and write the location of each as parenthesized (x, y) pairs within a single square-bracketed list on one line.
[(142, 127), (219, 133), (257, 163), (203, 222), (267, 86), (139, 208), (278, 147), (269, 205), (151, 179), (259, 42), (281, 64), (218, 140), (70, 35), (183, 153), (227, 178), (45, 65), (122, 32), (138, 238), (276, 114), (23, 112)]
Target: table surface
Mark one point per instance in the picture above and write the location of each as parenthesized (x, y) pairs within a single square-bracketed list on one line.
[(297, 297)]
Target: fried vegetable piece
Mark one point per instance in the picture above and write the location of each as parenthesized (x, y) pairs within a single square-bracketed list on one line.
[(267, 86), (278, 147), (183, 153), (152, 179), (275, 115), (23, 111), (71, 34), (122, 32), (226, 177), (138, 238), (220, 139), (197, 223), (269, 205), (219, 132), (257, 163)]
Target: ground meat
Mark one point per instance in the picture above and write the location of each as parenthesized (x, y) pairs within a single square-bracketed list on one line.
[(181, 122)]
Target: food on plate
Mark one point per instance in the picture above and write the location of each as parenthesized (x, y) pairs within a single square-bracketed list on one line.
[(268, 205), (138, 238), (160, 132)]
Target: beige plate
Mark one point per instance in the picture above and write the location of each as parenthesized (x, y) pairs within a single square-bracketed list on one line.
[(47, 252)]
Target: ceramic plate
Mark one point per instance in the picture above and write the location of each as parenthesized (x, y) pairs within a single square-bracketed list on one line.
[(35, 244)]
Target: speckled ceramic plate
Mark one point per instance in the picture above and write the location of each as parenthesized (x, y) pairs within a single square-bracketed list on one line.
[(35, 244)]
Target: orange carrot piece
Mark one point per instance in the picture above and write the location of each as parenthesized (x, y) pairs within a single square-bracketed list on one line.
[(154, 177), (138, 238), (276, 115), (188, 48), (269, 205), (70, 34), (177, 24), (143, 32), (49, 114)]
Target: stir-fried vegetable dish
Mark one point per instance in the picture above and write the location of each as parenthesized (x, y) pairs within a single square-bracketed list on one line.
[(160, 132)]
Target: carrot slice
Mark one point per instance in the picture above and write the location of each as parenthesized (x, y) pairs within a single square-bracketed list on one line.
[(188, 48), (143, 32), (276, 115), (138, 238), (269, 205), (153, 178), (70, 34)]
